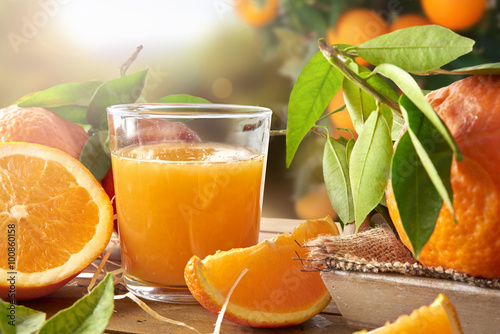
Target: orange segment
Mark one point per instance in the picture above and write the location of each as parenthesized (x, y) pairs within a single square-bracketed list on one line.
[(61, 217), (440, 318), (275, 291)]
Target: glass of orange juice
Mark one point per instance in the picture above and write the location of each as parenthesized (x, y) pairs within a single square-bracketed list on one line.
[(188, 180)]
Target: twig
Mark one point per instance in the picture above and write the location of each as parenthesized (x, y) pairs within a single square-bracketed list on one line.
[(130, 60), (332, 54), (277, 132), (283, 132)]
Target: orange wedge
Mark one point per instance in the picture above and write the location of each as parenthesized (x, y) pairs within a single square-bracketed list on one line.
[(438, 318), (275, 292), (55, 216)]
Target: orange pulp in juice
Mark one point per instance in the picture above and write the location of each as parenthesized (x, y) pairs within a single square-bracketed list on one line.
[(179, 200)]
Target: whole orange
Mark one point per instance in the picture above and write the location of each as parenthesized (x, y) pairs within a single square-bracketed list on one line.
[(41, 126), (471, 110), (357, 26), (454, 14)]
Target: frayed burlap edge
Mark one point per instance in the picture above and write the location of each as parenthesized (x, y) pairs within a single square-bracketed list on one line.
[(377, 251)]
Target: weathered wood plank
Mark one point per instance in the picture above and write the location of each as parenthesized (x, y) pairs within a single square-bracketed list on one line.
[(368, 300)]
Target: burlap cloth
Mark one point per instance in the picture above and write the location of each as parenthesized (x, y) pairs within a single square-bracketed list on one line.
[(377, 250)]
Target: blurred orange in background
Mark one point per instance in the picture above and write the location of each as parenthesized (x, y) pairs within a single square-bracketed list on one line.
[(257, 14), (455, 14)]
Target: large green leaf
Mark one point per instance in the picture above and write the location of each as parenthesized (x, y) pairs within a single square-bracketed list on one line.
[(316, 85), (411, 89), (336, 176), (17, 319), (95, 157), (62, 95), (122, 90), (89, 315), (416, 197), (369, 165), (430, 147), (416, 49), (182, 98)]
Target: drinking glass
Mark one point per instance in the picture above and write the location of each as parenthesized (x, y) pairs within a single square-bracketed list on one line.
[(189, 180)]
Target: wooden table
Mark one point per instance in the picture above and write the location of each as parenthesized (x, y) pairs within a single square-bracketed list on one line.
[(130, 318)]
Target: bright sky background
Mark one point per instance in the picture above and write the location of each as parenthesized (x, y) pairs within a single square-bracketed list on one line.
[(112, 24), (47, 42)]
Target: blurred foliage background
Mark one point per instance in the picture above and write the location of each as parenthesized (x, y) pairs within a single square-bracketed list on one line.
[(227, 51)]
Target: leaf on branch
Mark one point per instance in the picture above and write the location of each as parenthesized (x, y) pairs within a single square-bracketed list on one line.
[(369, 166), (337, 181), (433, 152), (71, 93), (419, 49), (410, 88), (122, 90), (316, 85)]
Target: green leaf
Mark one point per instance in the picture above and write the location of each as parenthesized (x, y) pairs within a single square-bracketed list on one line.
[(95, 157), (433, 152), (336, 176), (122, 90), (416, 197), (73, 113), (89, 315), (410, 88), (62, 95), (19, 319), (369, 165), (182, 98), (416, 49), (316, 85)]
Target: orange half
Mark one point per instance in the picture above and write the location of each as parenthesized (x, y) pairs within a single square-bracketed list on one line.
[(275, 292), (55, 216)]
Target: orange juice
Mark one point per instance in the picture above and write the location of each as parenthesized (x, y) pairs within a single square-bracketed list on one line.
[(184, 199)]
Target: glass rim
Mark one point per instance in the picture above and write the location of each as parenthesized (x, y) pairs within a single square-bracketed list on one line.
[(195, 110)]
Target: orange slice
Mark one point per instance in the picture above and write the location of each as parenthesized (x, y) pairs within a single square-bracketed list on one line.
[(55, 216), (275, 292), (440, 318)]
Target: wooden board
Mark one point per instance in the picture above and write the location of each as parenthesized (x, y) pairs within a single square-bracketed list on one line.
[(368, 300)]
